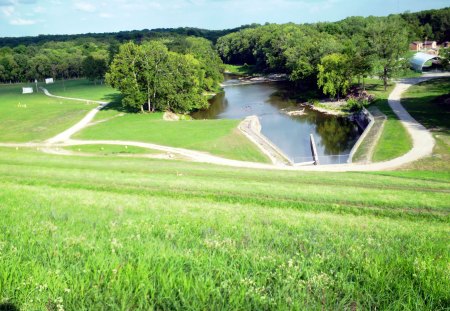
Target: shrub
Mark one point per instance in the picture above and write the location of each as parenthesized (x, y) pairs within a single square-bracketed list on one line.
[(313, 101), (355, 105)]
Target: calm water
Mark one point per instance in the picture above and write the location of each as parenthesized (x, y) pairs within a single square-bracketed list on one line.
[(333, 135)]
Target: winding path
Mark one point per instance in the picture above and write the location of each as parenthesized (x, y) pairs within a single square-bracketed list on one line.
[(423, 142)]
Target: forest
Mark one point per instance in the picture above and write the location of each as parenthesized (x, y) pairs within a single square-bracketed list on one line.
[(372, 46)]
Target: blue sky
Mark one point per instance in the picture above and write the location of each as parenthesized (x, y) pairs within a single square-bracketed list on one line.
[(33, 17)]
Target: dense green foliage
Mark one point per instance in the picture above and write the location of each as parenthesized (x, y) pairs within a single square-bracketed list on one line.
[(95, 68), (388, 40), (162, 80), (334, 74), (124, 36), (372, 45), (60, 60), (430, 24), (205, 53), (122, 234)]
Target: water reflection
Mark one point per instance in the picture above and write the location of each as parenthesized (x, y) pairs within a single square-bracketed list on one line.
[(333, 135)]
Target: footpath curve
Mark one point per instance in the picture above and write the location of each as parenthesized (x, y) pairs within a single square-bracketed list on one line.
[(423, 142)]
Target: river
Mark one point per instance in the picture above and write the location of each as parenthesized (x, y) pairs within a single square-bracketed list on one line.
[(334, 136)]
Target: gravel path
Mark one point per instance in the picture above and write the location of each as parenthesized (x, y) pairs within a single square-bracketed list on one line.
[(423, 142), (64, 136)]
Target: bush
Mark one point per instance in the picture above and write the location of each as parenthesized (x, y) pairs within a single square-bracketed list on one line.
[(313, 101), (355, 105)]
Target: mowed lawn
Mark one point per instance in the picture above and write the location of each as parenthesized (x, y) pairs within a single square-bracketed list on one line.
[(426, 103), (85, 233), (218, 137), (35, 117), (84, 89), (394, 140)]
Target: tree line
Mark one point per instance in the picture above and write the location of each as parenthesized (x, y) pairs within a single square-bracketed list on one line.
[(329, 55), (59, 60)]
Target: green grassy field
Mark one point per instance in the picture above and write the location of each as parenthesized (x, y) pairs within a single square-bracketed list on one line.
[(115, 233), (84, 89), (395, 140), (110, 149), (84, 233), (425, 102), (35, 117), (219, 137), (240, 70)]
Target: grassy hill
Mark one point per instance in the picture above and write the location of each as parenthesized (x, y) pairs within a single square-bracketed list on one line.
[(112, 233), (35, 117), (139, 234)]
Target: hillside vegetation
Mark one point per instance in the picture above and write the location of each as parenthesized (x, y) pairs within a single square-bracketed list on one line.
[(85, 233)]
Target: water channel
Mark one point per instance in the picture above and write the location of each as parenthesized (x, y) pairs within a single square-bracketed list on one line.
[(334, 136)]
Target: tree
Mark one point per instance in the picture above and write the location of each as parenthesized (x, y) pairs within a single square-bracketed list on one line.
[(123, 75), (389, 42), (360, 57), (95, 67), (149, 75), (334, 74)]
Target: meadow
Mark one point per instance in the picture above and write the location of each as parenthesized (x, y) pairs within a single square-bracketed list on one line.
[(82, 233), (35, 117), (426, 103), (394, 140), (103, 232)]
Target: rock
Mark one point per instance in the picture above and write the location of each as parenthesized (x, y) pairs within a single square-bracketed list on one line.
[(170, 116)]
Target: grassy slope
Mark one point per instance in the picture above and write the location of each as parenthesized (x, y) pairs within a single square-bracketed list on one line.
[(420, 101), (395, 140), (83, 89), (110, 149), (219, 137), (124, 234), (33, 117), (240, 70)]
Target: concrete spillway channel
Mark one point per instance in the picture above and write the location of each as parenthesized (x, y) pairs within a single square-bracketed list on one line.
[(251, 127)]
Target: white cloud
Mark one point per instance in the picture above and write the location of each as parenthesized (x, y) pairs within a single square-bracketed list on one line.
[(85, 7), (106, 15), (22, 22), (39, 9), (8, 10)]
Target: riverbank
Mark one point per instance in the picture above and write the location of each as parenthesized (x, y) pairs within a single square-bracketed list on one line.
[(243, 80)]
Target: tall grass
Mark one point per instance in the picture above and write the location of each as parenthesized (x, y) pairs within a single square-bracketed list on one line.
[(89, 234)]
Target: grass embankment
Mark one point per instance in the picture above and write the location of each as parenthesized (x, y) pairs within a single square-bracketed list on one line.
[(88, 234), (110, 149), (426, 102), (219, 137), (240, 70), (83, 89), (395, 140), (35, 117)]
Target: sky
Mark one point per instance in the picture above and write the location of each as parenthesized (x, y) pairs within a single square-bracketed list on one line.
[(34, 17)]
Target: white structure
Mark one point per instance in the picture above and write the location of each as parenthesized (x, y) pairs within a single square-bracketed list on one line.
[(419, 59), (27, 90), (49, 81)]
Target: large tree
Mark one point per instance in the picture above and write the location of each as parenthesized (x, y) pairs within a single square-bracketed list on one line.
[(334, 74), (150, 76), (389, 42)]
